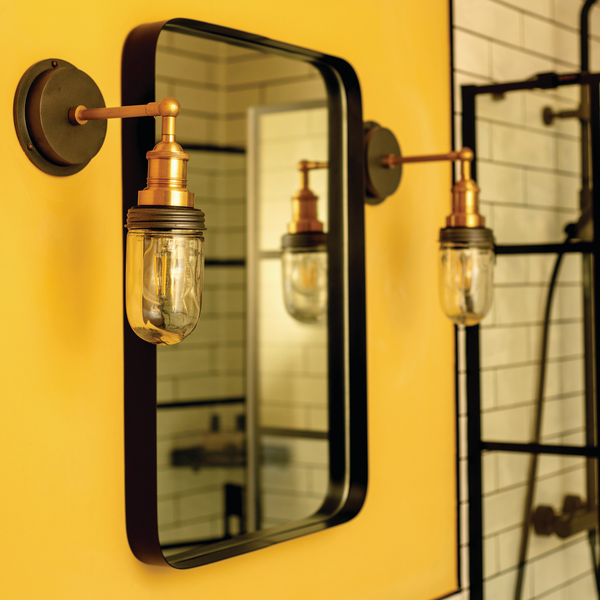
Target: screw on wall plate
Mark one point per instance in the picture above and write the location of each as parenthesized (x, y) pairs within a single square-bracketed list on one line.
[(30, 146), (55, 63)]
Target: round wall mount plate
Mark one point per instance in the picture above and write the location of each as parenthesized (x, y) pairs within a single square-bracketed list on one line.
[(44, 96), (381, 181)]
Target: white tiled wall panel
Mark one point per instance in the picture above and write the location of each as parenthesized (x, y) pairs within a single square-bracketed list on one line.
[(529, 175)]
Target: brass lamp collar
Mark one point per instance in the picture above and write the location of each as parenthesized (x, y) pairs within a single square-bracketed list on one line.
[(304, 202), (465, 192)]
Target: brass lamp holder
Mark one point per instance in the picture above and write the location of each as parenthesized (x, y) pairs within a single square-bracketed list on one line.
[(305, 230), (60, 136), (383, 157)]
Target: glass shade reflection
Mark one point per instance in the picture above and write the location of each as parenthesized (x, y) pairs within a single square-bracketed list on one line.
[(305, 283)]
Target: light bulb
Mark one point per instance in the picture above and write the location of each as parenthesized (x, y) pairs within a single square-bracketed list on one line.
[(164, 272), (304, 272), (164, 276), (466, 275)]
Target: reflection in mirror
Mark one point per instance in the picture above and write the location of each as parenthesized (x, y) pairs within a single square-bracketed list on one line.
[(242, 402)]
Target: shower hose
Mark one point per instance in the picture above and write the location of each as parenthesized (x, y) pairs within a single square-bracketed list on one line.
[(570, 231)]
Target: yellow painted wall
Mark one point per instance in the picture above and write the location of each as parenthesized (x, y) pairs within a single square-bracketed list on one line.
[(62, 519)]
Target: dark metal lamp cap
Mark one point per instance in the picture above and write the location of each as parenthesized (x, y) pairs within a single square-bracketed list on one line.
[(479, 237), (180, 218), (310, 241)]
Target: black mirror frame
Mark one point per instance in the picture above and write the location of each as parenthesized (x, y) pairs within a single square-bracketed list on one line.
[(346, 324)]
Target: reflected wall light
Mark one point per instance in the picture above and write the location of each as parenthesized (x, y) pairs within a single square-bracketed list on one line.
[(165, 244), (304, 256), (466, 246)]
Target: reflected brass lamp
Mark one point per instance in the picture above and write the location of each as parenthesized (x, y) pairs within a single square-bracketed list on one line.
[(466, 263), (165, 243), (304, 256)]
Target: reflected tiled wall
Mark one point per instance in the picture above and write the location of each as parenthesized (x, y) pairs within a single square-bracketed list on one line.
[(529, 175), (216, 83), (293, 381)]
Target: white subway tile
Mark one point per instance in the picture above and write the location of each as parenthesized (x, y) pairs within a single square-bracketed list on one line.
[(567, 303), (312, 89), (563, 415), (507, 425), (513, 469), (289, 507), (510, 269), (317, 360), (545, 38), (503, 510), (484, 139), (522, 225), (582, 589), (489, 472), (501, 183), (173, 361), (488, 389), (193, 129), (505, 109), (518, 305), (179, 66), (548, 572), (274, 414), (489, 19), (197, 99), (569, 155), (490, 556), (198, 45), (551, 190), (264, 68), (538, 7), (291, 478), (516, 385), (501, 586), (503, 346), (471, 53), (577, 558), (510, 64), (523, 147), (281, 359), (165, 390), (197, 388), (318, 418), (567, 12), (319, 480)]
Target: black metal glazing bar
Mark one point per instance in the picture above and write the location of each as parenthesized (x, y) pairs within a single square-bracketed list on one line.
[(473, 394), (527, 448), (595, 156), (232, 262), (197, 403), (581, 247)]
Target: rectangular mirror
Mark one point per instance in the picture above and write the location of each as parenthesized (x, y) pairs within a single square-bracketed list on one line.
[(253, 429)]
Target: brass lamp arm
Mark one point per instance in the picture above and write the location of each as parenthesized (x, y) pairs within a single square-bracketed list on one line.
[(167, 107), (464, 155)]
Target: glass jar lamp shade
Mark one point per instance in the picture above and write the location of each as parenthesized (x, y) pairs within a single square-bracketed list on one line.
[(164, 281), (304, 275), (466, 269), (164, 272)]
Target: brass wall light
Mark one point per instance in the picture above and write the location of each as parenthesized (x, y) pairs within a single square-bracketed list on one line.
[(466, 255), (304, 257), (165, 244)]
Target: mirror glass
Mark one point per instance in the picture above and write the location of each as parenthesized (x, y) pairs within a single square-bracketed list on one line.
[(242, 416)]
